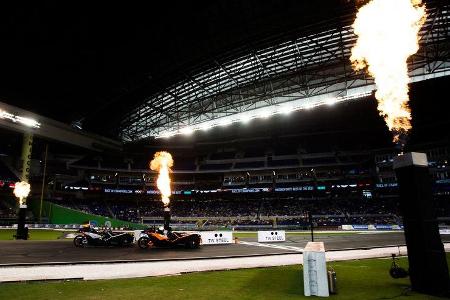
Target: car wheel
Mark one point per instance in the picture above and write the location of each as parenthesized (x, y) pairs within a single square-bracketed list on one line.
[(143, 242), (127, 241), (79, 241), (192, 244)]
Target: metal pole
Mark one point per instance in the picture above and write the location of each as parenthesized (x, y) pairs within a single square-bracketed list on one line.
[(27, 146), (43, 183), (166, 219), (314, 199)]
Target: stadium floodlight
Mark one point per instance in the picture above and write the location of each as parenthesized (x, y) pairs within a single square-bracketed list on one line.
[(225, 122), (205, 127), (308, 106), (286, 109), (265, 114), (167, 134), (29, 122), (187, 130), (331, 101), (245, 118)]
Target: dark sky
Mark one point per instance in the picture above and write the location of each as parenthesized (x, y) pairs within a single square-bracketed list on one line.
[(70, 60)]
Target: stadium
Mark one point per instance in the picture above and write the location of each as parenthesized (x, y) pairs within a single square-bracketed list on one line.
[(228, 149)]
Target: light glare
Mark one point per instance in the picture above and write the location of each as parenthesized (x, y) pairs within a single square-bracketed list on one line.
[(286, 109), (187, 131), (245, 118), (331, 101), (225, 122)]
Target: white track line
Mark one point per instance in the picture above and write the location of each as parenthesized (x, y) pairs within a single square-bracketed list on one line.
[(275, 246)]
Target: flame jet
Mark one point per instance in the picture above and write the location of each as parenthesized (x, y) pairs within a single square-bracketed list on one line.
[(162, 162), (21, 190), (387, 32)]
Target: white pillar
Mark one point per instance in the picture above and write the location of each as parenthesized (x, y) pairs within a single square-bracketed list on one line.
[(315, 270)]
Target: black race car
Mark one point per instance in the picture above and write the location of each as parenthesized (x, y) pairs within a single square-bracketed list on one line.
[(90, 236), (151, 238)]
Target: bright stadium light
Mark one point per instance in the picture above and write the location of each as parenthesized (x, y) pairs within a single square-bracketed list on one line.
[(187, 130), (245, 118), (308, 106), (265, 114), (19, 119), (167, 134), (286, 109), (331, 101), (225, 122), (206, 127), (27, 121)]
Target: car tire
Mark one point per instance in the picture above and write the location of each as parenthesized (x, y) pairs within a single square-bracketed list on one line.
[(192, 244), (79, 241), (128, 241), (143, 242)]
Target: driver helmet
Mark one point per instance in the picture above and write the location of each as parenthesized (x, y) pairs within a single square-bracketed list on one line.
[(160, 230)]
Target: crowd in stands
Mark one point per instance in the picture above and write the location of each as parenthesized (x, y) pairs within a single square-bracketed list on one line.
[(245, 211), (6, 210)]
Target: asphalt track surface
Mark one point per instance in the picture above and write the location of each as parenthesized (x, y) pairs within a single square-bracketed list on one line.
[(63, 252)]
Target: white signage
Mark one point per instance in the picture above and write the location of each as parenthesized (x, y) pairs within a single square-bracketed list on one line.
[(271, 236), (216, 237), (444, 231)]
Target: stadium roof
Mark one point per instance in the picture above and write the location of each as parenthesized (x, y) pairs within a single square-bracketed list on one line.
[(306, 69)]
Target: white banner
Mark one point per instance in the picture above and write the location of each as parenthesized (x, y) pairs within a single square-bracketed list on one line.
[(271, 236), (444, 231), (216, 237), (347, 227)]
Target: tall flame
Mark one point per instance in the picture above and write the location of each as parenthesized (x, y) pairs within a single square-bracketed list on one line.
[(162, 162), (21, 190), (387, 33)]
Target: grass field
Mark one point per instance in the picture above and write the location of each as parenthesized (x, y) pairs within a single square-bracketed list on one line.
[(363, 279), (34, 234)]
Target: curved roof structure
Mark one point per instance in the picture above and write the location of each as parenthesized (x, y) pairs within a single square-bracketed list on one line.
[(310, 67)]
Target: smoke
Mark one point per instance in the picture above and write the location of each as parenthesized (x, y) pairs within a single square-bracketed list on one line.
[(162, 162), (387, 33)]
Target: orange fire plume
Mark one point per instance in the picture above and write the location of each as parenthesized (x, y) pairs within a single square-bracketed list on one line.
[(387, 33), (162, 162), (21, 190)]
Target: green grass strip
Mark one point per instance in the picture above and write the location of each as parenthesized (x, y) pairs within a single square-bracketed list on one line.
[(361, 279)]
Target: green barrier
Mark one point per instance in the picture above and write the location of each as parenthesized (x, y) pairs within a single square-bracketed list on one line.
[(57, 214)]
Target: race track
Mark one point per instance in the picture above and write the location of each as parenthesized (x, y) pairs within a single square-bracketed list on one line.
[(63, 252)]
